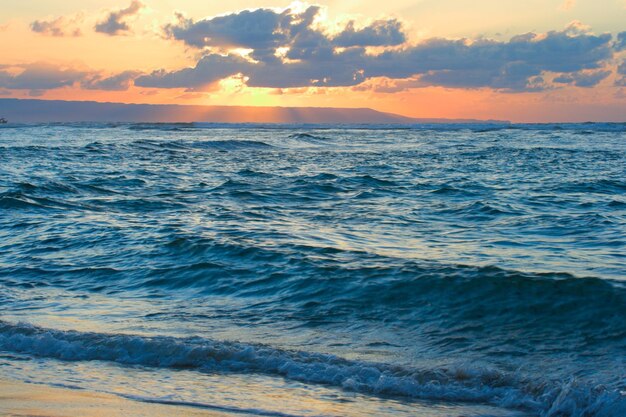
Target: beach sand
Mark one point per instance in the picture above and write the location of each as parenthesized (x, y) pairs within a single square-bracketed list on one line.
[(18, 399)]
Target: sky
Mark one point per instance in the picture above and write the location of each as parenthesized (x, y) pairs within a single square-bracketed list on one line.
[(524, 61)]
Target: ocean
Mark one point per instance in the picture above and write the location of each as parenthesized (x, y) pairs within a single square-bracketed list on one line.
[(299, 270)]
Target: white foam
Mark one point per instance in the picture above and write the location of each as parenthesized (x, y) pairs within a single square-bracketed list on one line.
[(462, 385)]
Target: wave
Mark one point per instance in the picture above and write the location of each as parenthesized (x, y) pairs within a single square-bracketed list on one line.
[(467, 308), (309, 139), (600, 186), (180, 145), (171, 127), (159, 145), (479, 127), (512, 390), (480, 211), (213, 407), (22, 201), (232, 144)]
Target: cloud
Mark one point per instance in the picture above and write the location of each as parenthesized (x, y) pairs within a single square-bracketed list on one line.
[(59, 27), (621, 70), (39, 76), (209, 70), (118, 82), (254, 29), (191, 96), (290, 51), (567, 5), (115, 23), (379, 33), (387, 85), (265, 30), (583, 79), (620, 42), (36, 93)]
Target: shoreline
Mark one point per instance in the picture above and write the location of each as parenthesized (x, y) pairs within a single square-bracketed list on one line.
[(20, 399)]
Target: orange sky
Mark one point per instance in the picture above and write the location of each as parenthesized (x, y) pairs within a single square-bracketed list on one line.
[(42, 37)]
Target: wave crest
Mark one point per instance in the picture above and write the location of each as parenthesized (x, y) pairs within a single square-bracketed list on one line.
[(463, 385)]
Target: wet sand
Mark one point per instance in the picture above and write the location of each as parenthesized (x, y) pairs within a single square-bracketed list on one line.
[(18, 399)]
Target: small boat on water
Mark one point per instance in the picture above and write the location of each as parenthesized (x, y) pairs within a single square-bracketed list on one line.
[(3, 121)]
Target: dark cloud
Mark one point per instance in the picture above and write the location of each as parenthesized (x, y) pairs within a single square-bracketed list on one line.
[(268, 29), (621, 70), (59, 27), (583, 79), (115, 23), (256, 29), (36, 93), (315, 58), (209, 69), (118, 82), (40, 76), (379, 33), (620, 42), (290, 50)]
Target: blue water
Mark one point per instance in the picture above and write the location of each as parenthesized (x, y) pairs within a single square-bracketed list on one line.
[(442, 270)]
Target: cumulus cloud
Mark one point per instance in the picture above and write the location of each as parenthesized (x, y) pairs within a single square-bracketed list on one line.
[(36, 93), (620, 42), (207, 71), (265, 30), (379, 33), (116, 22), (290, 51), (118, 82), (388, 85), (58, 27), (254, 29), (39, 77), (583, 79), (621, 70)]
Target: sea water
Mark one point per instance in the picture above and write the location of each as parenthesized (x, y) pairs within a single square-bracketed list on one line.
[(432, 270)]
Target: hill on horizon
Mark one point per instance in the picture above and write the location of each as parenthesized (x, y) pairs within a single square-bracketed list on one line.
[(32, 111)]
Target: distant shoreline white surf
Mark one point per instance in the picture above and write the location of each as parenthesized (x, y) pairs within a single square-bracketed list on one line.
[(29, 111)]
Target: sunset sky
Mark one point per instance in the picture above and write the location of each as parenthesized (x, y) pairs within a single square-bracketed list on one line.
[(533, 60)]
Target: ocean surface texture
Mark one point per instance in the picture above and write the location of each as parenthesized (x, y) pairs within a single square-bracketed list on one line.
[(457, 270)]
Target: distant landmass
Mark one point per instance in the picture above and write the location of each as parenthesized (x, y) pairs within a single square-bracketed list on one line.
[(29, 111)]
